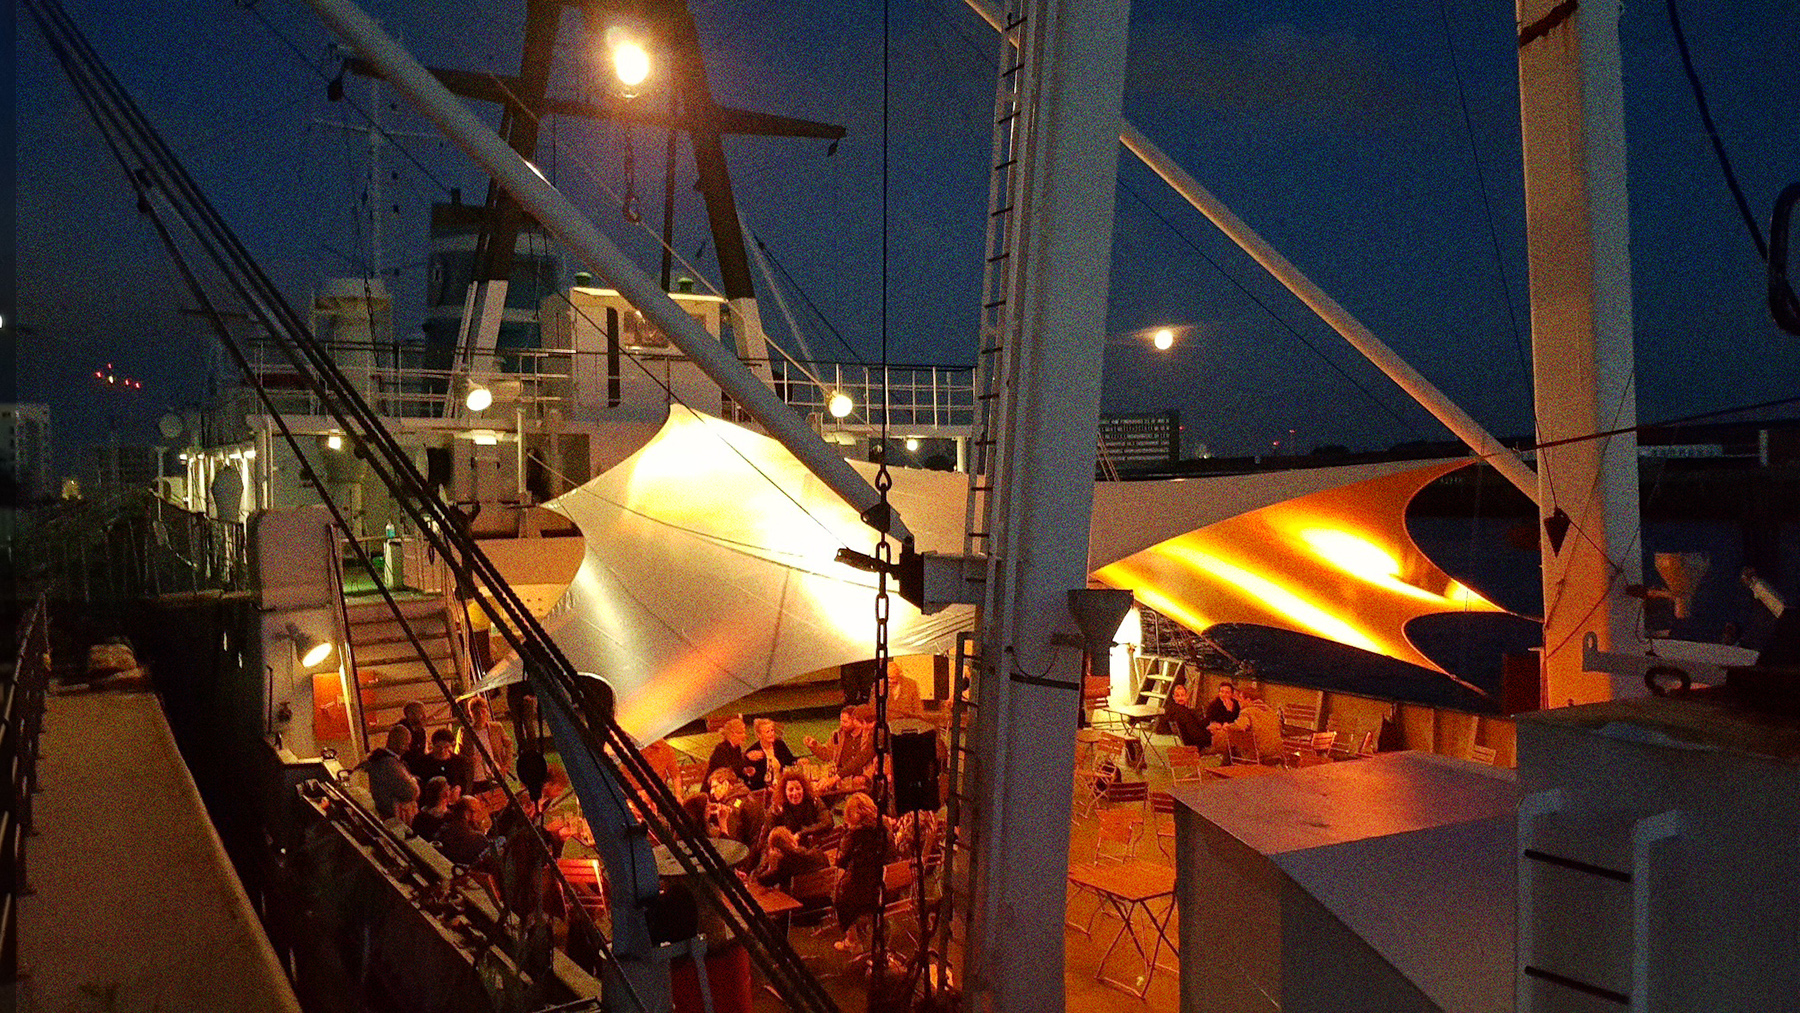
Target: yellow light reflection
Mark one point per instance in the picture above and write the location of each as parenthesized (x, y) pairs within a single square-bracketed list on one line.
[(1285, 601)]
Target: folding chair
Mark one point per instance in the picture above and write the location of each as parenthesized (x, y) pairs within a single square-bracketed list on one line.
[(1163, 804), (1123, 792), (1184, 763), (1115, 841), (1242, 746)]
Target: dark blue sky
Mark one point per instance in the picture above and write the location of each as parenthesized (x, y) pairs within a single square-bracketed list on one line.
[(1333, 129)]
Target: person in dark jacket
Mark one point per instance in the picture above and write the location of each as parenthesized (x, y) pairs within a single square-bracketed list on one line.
[(464, 837), (794, 806), (435, 799), (729, 753), (444, 761), (1183, 720), (767, 757), (864, 855)]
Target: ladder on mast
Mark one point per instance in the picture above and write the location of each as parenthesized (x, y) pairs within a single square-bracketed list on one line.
[(996, 370)]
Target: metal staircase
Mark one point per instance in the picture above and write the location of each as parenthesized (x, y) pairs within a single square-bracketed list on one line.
[(390, 670)]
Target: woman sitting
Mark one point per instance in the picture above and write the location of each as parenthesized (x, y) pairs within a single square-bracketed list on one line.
[(764, 761), (784, 857), (795, 807), (866, 850)]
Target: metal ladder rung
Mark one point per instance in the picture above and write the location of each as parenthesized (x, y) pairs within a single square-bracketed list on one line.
[(1005, 210)]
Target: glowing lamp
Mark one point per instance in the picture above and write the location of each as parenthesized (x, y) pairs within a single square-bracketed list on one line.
[(840, 405), (311, 651), (1163, 339), (631, 64), (478, 398), (912, 443), (334, 442)]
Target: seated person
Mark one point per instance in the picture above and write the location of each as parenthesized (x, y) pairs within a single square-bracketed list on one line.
[(827, 751), (444, 761), (1263, 722), (435, 800), (865, 852), (784, 857), (729, 753), (920, 828), (464, 837), (796, 808), (1222, 713), (767, 758), (1184, 722), (395, 790), (855, 765)]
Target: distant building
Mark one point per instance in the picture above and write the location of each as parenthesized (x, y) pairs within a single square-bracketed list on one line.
[(1129, 442), (112, 468), (25, 450)]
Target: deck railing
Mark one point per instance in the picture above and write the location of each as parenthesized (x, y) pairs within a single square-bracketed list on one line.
[(415, 381), (21, 724)]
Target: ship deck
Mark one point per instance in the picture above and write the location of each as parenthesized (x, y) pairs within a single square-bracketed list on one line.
[(135, 906)]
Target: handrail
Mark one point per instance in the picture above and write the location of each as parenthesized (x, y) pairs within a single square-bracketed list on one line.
[(26, 686)]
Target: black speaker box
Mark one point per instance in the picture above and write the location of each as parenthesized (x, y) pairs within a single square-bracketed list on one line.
[(915, 769)]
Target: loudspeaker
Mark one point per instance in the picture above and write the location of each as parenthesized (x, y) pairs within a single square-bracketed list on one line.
[(915, 769)]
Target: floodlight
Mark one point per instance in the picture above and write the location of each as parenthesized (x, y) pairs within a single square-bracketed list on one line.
[(310, 650)]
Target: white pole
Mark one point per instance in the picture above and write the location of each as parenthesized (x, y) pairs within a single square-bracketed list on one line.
[(1433, 400), (562, 220)]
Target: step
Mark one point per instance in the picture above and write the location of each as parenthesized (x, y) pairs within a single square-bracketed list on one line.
[(379, 611), (402, 660), (425, 636)]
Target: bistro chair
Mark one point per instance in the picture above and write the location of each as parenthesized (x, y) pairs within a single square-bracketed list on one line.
[(1184, 763), (1163, 804)]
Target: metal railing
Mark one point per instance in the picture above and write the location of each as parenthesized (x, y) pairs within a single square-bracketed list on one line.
[(416, 381), (21, 723)]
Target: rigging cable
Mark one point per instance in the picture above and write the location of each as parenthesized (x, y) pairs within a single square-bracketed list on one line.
[(1487, 206), (1712, 133)]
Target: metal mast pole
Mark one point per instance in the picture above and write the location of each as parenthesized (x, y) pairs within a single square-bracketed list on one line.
[(1572, 113), (1058, 265)]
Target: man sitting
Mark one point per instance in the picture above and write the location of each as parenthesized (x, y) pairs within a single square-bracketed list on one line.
[(1183, 721), (464, 838), (827, 751), (856, 760), (444, 761)]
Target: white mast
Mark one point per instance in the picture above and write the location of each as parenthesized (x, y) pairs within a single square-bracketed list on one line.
[(1572, 114)]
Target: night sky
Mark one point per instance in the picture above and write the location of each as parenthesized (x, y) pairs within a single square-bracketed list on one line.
[(1336, 130)]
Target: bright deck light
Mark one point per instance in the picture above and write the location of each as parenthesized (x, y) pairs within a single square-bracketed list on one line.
[(912, 443), (631, 64), (478, 398), (1163, 339), (334, 442), (840, 405)]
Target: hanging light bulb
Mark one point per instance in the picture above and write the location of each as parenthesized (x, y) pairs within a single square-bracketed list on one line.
[(631, 64), (840, 405)]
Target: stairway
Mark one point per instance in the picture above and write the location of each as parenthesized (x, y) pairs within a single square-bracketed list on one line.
[(389, 669)]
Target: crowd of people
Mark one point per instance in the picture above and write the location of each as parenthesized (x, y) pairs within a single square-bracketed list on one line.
[(756, 790)]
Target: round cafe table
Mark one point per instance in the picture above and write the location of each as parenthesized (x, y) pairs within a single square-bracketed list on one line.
[(732, 851)]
